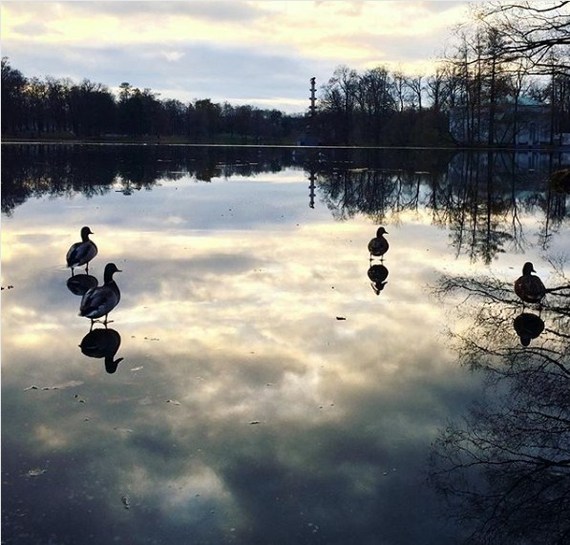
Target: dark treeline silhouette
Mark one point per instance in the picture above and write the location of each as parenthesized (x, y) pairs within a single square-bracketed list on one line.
[(60, 108), (504, 82), (479, 198)]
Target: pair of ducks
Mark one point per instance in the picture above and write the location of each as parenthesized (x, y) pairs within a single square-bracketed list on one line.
[(528, 286), (100, 300)]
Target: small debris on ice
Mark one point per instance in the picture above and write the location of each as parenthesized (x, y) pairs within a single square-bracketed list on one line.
[(36, 472)]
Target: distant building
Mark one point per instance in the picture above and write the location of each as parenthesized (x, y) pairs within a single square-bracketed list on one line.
[(525, 123)]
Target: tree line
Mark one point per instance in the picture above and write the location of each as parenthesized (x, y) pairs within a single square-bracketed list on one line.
[(35, 107), (505, 57)]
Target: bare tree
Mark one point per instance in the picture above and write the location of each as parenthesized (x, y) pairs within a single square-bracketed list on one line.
[(537, 31)]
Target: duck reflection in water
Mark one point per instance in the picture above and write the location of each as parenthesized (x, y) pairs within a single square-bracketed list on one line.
[(102, 343), (101, 300), (79, 284), (378, 246), (529, 287), (81, 253), (528, 326), (378, 274)]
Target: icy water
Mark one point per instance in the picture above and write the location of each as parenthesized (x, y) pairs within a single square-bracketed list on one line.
[(254, 384)]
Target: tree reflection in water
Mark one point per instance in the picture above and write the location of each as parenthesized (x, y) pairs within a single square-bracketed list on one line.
[(478, 196), (504, 469)]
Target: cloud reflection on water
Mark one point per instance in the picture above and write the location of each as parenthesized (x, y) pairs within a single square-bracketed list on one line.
[(243, 410)]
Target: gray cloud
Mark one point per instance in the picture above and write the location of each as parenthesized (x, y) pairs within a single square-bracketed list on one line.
[(199, 71)]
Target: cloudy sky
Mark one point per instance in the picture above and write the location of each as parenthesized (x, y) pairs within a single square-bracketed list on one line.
[(255, 52)]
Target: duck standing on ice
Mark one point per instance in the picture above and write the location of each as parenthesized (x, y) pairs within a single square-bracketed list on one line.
[(378, 246), (103, 299), (529, 287), (81, 253)]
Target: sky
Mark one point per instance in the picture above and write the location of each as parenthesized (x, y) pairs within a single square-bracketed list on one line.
[(261, 53)]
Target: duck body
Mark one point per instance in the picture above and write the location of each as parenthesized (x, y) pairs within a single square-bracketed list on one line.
[(378, 246), (81, 253), (103, 299), (529, 287)]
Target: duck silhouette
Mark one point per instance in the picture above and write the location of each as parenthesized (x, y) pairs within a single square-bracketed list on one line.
[(378, 246), (529, 287), (103, 299), (378, 274), (81, 253), (102, 343), (528, 326), (78, 284)]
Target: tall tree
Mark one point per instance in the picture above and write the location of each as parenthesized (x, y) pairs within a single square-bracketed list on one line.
[(13, 84), (339, 99)]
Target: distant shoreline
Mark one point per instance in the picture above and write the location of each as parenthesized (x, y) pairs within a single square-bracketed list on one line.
[(178, 142)]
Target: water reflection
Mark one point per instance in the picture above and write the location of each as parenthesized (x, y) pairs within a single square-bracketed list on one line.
[(78, 284), (102, 343), (378, 273), (243, 411), (504, 469), (479, 197), (528, 326)]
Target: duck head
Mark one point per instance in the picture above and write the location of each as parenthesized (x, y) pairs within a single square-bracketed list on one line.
[(85, 232), (110, 270), (381, 231), (528, 268)]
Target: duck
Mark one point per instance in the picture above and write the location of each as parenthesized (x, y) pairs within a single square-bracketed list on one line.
[(81, 253), (378, 246), (101, 300), (528, 286)]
